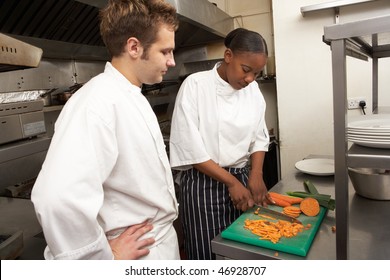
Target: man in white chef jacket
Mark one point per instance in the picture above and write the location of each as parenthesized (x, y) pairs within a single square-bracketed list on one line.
[(105, 190)]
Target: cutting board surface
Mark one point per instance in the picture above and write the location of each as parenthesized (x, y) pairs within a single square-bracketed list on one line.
[(298, 245)]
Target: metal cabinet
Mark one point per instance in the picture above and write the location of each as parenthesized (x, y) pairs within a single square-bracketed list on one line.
[(365, 39)]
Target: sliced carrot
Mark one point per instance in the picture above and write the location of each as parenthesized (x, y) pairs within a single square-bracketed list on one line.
[(288, 198), (292, 215), (293, 209), (273, 231), (281, 202), (310, 207)]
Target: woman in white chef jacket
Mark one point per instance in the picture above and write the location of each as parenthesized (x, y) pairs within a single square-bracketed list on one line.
[(217, 129)]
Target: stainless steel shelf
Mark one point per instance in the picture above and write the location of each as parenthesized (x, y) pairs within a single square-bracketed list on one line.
[(331, 5), (359, 156), (370, 38)]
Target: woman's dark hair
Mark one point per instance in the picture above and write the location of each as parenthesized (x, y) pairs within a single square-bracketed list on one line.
[(244, 40)]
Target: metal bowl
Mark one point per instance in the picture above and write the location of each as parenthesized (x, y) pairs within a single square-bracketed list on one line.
[(371, 183)]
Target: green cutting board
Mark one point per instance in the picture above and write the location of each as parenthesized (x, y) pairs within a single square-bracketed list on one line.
[(297, 245)]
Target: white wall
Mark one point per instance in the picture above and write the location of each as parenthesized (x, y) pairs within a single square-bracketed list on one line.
[(255, 15), (304, 81)]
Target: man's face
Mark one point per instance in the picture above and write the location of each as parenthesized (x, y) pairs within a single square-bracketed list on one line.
[(159, 57)]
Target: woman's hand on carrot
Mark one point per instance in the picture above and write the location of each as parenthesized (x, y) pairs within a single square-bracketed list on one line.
[(241, 197), (259, 190)]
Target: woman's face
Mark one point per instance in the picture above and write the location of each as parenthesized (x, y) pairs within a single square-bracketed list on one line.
[(243, 67)]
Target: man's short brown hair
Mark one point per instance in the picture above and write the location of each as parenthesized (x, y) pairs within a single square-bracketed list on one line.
[(122, 19)]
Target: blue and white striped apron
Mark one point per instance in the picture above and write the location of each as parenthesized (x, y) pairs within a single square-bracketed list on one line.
[(206, 210)]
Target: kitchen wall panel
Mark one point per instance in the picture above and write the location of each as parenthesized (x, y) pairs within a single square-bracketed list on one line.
[(248, 7)]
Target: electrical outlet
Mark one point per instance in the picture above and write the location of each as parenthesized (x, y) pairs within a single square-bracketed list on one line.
[(353, 103)]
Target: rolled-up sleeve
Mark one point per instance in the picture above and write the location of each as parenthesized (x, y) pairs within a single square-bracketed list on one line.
[(186, 144)]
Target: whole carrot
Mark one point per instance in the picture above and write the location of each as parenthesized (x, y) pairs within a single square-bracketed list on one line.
[(281, 202), (288, 198)]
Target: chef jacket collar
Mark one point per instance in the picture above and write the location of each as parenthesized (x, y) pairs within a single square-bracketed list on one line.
[(223, 87), (122, 80)]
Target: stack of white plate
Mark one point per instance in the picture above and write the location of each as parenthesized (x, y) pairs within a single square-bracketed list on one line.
[(370, 131)]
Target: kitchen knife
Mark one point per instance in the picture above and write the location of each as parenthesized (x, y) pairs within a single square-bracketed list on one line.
[(275, 214)]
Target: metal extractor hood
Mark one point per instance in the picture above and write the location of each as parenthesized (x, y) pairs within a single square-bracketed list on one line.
[(201, 22), (69, 29), (17, 55)]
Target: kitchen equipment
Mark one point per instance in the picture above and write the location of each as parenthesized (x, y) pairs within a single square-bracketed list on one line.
[(316, 166), (275, 214), (61, 95), (21, 96), (19, 190), (47, 98), (298, 245), (156, 88), (20, 120), (75, 34), (11, 245), (20, 163), (371, 183), (16, 55)]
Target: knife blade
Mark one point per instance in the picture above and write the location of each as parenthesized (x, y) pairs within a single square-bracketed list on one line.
[(276, 214)]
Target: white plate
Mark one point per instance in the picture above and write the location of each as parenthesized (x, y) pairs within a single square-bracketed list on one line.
[(370, 133), (350, 138), (380, 145), (357, 135), (316, 166), (372, 123)]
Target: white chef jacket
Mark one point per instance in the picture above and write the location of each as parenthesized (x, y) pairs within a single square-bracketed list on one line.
[(212, 120), (106, 169)]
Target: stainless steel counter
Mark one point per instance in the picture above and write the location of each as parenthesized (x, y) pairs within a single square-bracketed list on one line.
[(369, 228)]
